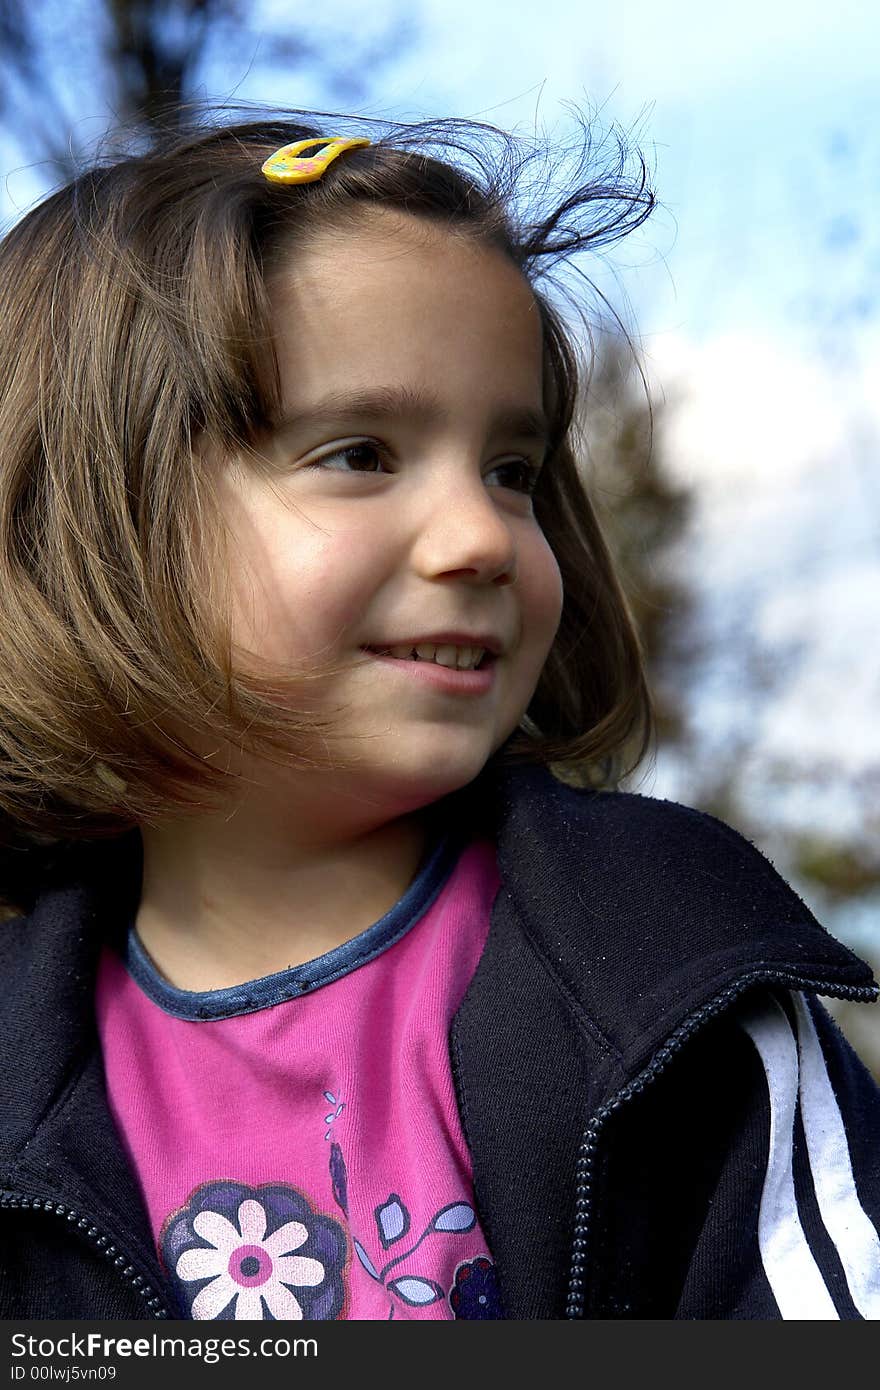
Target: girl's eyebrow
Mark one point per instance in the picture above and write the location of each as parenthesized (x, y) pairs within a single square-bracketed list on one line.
[(384, 403)]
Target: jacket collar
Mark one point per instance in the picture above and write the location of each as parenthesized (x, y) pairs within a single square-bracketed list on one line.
[(639, 911), (643, 910), (619, 922)]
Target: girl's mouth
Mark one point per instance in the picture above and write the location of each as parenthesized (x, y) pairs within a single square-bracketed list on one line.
[(454, 658), (452, 670)]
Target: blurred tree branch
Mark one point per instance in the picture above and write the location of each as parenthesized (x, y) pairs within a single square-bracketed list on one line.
[(645, 516), (42, 120), (134, 61)]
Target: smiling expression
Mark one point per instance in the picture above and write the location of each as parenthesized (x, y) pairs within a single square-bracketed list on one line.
[(398, 513)]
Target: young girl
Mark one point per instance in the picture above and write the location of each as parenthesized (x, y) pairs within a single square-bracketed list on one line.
[(339, 982)]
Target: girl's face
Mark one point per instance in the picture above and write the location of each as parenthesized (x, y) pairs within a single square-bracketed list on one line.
[(399, 514)]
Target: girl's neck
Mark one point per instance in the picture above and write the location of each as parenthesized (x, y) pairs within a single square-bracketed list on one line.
[(228, 901)]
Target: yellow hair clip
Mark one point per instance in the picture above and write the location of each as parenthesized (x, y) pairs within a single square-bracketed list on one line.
[(285, 166)]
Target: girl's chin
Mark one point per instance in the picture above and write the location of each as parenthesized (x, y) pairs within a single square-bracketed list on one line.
[(410, 783)]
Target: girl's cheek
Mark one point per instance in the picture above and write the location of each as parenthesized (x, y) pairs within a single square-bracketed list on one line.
[(545, 592), (327, 590)]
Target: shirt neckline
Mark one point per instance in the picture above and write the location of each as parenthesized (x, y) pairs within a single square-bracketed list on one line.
[(199, 1006)]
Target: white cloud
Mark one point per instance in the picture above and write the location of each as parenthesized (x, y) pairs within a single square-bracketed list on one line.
[(682, 51), (747, 412), (782, 558)]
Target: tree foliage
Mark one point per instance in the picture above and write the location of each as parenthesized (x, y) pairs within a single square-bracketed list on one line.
[(131, 62), (645, 514)]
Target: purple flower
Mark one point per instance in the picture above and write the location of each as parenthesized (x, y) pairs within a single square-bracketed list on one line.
[(475, 1293), (250, 1253)]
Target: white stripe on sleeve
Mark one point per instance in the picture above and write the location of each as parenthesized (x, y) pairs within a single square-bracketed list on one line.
[(843, 1215), (789, 1265)]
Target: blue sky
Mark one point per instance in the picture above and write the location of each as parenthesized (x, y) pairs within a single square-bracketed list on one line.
[(755, 289), (762, 117)]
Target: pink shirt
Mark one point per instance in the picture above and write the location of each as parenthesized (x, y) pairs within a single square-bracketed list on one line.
[(297, 1139)]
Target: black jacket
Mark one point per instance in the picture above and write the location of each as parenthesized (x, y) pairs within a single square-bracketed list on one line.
[(606, 1063)]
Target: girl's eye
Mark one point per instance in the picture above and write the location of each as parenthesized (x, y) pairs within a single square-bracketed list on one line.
[(365, 456), (362, 457), (518, 474)]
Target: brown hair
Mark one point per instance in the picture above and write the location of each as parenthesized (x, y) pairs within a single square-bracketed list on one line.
[(134, 321)]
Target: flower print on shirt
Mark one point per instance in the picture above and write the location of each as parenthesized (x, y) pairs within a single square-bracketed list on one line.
[(475, 1291), (339, 1178), (252, 1253)]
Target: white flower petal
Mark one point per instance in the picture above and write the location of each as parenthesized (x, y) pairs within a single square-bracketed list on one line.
[(251, 1221), (249, 1307), (210, 1225), (281, 1302), (285, 1239), (299, 1270), (201, 1264), (210, 1301)]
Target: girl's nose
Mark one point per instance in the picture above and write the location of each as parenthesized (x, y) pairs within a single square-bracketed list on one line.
[(464, 535)]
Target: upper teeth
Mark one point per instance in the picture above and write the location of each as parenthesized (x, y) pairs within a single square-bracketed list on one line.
[(461, 658)]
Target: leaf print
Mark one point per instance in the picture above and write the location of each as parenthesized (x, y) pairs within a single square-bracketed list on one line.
[(458, 1216), (418, 1293), (339, 1178), (365, 1260), (334, 1114), (392, 1220)]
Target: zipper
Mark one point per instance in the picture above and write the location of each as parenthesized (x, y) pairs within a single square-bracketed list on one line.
[(89, 1231), (589, 1144)]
